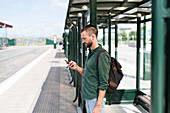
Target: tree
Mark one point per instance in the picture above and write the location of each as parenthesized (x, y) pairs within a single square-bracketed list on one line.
[(123, 35), (132, 33)]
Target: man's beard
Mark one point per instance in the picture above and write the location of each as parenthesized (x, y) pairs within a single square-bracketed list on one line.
[(89, 44)]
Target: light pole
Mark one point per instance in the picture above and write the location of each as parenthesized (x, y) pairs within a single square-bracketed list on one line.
[(55, 41)]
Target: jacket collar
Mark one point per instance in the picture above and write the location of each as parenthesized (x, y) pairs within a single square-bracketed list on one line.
[(92, 51)]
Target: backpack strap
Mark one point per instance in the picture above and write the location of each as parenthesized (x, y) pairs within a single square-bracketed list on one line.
[(97, 57), (117, 64)]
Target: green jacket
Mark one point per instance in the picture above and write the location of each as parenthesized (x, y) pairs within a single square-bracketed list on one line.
[(95, 78)]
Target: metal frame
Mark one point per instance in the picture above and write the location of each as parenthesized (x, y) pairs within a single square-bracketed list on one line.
[(106, 13)]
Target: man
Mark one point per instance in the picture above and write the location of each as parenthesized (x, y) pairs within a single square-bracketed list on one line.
[(95, 78)]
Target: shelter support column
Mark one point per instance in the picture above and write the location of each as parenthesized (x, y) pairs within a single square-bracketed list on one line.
[(109, 35), (109, 47), (84, 47), (116, 41), (138, 54), (158, 52), (74, 52), (144, 49), (93, 12), (103, 36), (167, 97), (79, 62), (84, 54), (167, 68)]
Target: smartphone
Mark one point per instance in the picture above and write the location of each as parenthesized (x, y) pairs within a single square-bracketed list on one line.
[(67, 62)]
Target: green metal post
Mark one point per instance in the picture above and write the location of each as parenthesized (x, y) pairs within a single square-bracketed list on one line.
[(158, 52), (79, 42), (167, 79), (116, 41), (168, 64), (144, 34), (109, 35), (167, 98), (103, 36), (69, 45), (72, 53), (84, 47), (54, 46), (84, 59), (64, 40), (93, 12), (79, 62), (66, 46), (144, 47), (109, 48), (138, 54), (75, 52)]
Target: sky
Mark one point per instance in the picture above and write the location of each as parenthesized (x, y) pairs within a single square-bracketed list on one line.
[(33, 18)]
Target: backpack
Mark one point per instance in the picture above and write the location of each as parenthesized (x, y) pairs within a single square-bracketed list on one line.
[(115, 73)]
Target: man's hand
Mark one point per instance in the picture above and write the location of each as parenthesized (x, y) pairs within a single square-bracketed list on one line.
[(97, 109), (72, 65), (98, 106)]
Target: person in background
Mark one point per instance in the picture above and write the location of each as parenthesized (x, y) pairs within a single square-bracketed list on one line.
[(95, 78), (60, 45)]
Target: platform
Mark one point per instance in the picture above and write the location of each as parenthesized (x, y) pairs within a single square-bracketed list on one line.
[(40, 87), (43, 87)]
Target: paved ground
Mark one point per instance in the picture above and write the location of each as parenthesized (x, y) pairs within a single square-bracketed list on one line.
[(47, 75), (22, 95)]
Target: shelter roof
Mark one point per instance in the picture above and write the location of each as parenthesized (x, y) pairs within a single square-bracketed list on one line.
[(120, 10)]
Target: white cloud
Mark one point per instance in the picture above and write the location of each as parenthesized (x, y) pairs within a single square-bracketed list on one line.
[(7, 1), (35, 9), (59, 25), (54, 4), (20, 4)]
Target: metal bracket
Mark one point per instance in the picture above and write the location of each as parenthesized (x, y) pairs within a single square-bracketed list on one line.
[(166, 13)]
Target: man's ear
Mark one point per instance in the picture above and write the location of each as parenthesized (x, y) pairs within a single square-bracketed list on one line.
[(93, 36)]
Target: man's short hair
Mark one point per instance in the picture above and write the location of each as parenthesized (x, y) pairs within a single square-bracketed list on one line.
[(90, 29)]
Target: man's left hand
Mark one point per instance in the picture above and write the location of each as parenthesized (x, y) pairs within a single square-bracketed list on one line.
[(97, 109)]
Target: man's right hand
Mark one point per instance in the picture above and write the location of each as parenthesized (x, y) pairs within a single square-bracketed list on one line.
[(73, 65)]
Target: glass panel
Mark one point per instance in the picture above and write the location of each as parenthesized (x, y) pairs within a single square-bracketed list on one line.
[(113, 42), (106, 39), (145, 84), (127, 54), (100, 36)]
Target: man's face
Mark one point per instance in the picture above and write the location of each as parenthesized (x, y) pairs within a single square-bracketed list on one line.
[(86, 39)]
